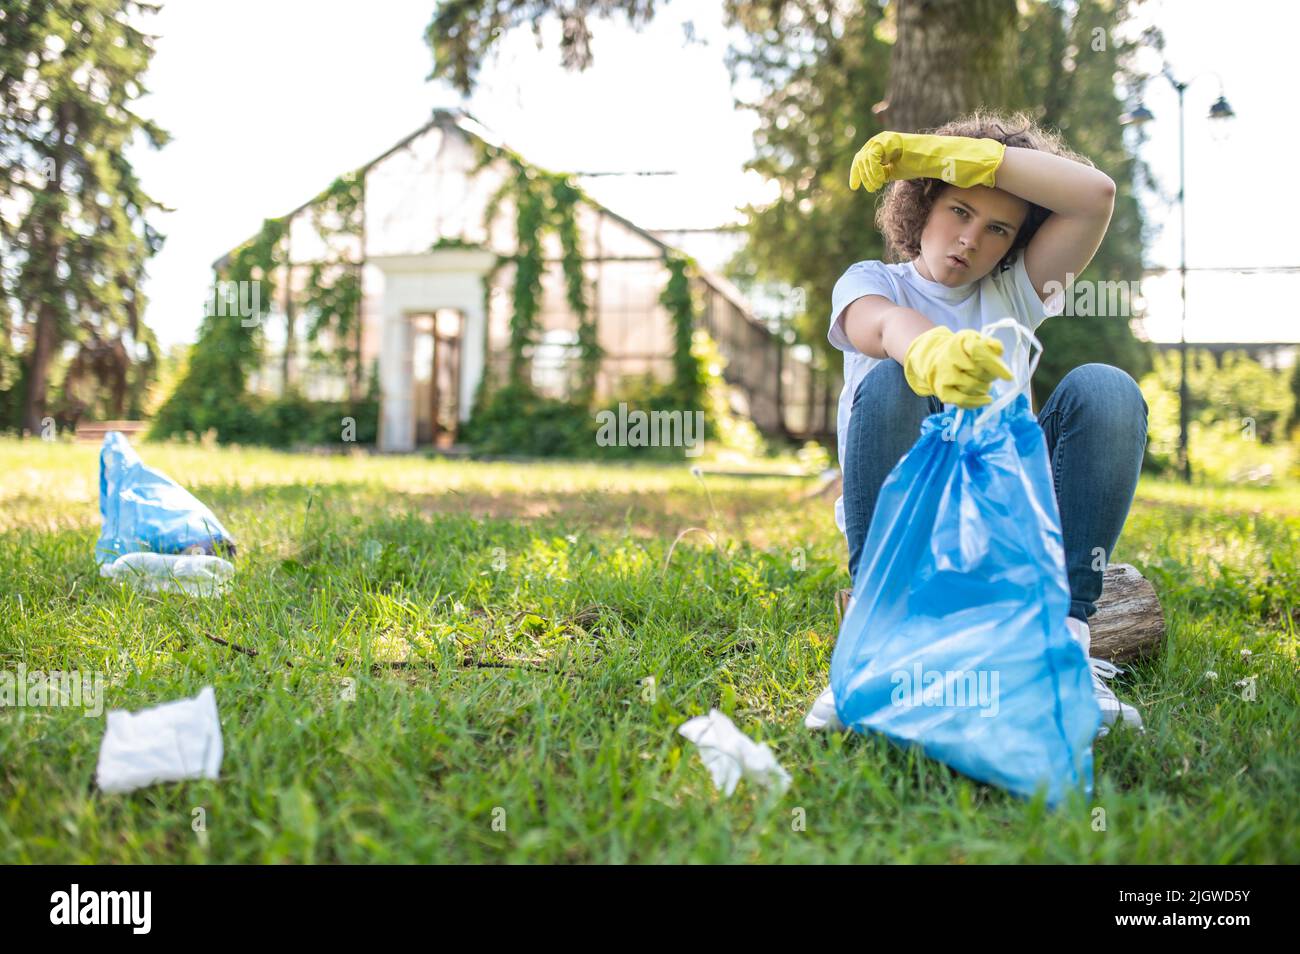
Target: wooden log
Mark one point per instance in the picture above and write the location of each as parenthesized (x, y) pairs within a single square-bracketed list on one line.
[(1129, 623)]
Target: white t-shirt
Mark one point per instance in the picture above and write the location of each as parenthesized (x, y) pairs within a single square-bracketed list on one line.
[(997, 295)]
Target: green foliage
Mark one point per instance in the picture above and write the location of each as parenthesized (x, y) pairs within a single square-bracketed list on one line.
[(544, 201), (815, 111), (732, 431), (103, 380), (515, 419), (332, 296), (565, 196), (1295, 396), (293, 421), (813, 457), (454, 242), (213, 393), (646, 394), (1072, 55), (75, 236), (1237, 413), (172, 365), (689, 378), (335, 307), (530, 214), (461, 34), (14, 395)]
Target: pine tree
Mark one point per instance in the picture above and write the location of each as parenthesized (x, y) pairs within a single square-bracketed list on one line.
[(74, 238)]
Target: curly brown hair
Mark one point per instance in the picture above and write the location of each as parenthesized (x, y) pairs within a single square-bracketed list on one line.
[(905, 204)]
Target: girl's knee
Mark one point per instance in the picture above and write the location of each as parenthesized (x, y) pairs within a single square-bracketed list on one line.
[(884, 390), (884, 377), (1106, 389)]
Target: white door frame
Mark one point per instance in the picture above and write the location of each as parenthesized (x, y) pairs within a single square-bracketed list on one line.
[(422, 284)]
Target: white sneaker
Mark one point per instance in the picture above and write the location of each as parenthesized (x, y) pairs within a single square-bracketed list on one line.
[(822, 715), (1112, 710)]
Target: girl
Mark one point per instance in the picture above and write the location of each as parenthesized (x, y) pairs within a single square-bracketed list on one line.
[(992, 221)]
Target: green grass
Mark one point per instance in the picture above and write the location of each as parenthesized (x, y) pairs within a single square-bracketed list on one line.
[(521, 689)]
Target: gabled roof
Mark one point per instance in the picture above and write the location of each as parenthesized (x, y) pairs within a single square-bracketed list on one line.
[(467, 125)]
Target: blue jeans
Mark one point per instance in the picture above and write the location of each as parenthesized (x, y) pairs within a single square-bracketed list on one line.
[(1095, 423)]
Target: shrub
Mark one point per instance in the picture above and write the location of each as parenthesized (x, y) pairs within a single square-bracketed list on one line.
[(287, 421), (1237, 415), (515, 419)]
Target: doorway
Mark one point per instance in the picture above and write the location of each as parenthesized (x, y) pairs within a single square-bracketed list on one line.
[(435, 342)]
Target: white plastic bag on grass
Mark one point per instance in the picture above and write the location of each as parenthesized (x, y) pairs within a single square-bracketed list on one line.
[(171, 573), (729, 754), (166, 743)]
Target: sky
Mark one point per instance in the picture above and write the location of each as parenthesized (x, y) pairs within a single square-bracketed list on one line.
[(268, 102)]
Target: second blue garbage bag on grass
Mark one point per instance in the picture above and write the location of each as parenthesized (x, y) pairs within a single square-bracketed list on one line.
[(145, 510), (956, 638)]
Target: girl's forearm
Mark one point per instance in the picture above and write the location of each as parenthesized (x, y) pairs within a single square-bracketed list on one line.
[(1061, 185), (899, 328)]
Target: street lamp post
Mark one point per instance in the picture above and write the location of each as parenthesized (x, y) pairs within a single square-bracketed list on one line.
[(1220, 111)]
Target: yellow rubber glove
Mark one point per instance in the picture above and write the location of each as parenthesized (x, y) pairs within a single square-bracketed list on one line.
[(956, 368), (958, 160)]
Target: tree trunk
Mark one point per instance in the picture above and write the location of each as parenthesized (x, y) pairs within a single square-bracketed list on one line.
[(38, 369), (949, 57), (47, 319)]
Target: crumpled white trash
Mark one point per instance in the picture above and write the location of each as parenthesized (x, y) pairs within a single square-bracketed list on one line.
[(200, 575), (729, 754), (822, 715), (166, 743)]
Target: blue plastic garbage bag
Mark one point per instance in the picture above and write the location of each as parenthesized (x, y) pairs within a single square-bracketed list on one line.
[(956, 638), (145, 510)]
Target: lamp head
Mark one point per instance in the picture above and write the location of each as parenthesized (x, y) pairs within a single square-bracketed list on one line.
[(1221, 109), (1137, 116)]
